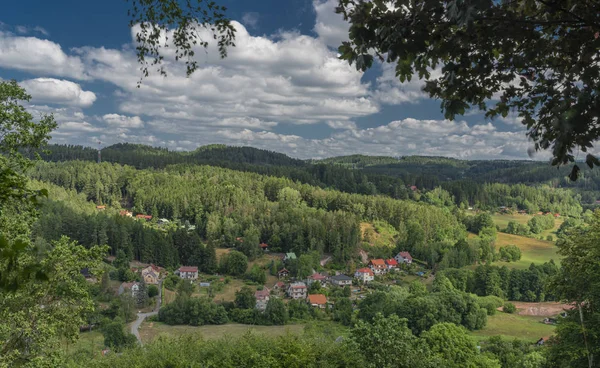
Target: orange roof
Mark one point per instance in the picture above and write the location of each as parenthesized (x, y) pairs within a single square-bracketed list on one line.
[(378, 262), (147, 217), (263, 245), (100, 207), (318, 299), (365, 270)]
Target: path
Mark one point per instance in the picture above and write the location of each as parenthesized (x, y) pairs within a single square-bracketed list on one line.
[(142, 316)]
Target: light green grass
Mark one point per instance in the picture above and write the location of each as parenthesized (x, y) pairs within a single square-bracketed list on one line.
[(532, 250), (514, 326), (150, 330), (91, 342), (502, 220)]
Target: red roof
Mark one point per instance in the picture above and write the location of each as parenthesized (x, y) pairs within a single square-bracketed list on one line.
[(365, 270), (262, 294), (377, 262), (124, 213), (391, 262), (280, 284), (188, 269), (318, 299), (317, 276), (405, 255), (264, 245), (142, 216), (413, 187), (283, 270)]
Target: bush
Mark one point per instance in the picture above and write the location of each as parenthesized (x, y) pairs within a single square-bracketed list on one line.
[(550, 238), (510, 253), (509, 308), (490, 303), (171, 282), (152, 291)]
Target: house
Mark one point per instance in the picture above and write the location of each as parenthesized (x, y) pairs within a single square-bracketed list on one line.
[(289, 256), (391, 264), (262, 298), (340, 280), (364, 274), (378, 266), (125, 213), (522, 212), (264, 246), (188, 272), (283, 273), (317, 300), (403, 257), (557, 215), (316, 277), (150, 276), (143, 217), (101, 208), (413, 187), (297, 290), (280, 285), (134, 287)]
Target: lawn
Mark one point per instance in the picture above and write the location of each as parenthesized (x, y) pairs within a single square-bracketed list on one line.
[(150, 330), (92, 342), (533, 250), (514, 326), (502, 219), (228, 292)]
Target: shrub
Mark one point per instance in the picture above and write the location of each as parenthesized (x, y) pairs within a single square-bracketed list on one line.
[(509, 308), (152, 291)]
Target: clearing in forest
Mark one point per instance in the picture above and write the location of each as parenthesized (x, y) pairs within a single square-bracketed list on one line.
[(150, 330), (378, 234), (532, 250), (515, 326)]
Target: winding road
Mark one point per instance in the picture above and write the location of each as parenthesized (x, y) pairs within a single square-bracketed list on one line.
[(142, 316)]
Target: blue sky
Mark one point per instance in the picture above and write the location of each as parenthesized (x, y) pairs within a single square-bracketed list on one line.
[(282, 87)]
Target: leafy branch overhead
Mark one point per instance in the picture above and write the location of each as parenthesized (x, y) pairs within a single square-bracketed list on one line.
[(538, 58), (182, 24)]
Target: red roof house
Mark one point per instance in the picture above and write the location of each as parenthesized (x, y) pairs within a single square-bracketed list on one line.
[(378, 266), (391, 263), (317, 300), (142, 216)]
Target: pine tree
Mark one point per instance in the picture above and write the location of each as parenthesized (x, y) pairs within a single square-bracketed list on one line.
[(209, 262), (141, 297)]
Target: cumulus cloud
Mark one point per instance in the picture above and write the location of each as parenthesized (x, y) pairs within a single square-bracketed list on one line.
[(390, 91), (123, 121), (35, 55), (250, 19), (58, 91), (330, 26)]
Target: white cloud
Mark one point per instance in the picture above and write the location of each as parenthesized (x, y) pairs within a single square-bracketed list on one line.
[(330, 26), (58, 91), (39, 56), (292, 80), (391, 91), (250, 19), (123, 121)]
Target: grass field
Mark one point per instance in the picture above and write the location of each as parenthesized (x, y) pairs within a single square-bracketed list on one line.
[(150, 330), (532, 250), (514, 326), (378, 234), (502, 219), (92, 342)]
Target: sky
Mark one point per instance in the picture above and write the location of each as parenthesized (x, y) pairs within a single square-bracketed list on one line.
[(282, 88)]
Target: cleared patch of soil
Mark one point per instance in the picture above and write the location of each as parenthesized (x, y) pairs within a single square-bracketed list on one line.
[(546, 309)]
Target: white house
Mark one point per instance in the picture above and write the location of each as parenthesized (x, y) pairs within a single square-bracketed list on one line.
[(316, 277), (134, 287), (378, 266), (188, 272), (297, 290), (364, 274), (262, 298), (403, 257)]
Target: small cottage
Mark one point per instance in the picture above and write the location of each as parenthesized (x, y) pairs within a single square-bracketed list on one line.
[(340, 280), (132, 287), (317, 301), (283, 273), (364, 274), (297, 290), (188, 272), (403, 257), (378, 266), (262, 298)]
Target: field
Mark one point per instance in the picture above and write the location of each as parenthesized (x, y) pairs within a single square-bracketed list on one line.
[(92, 342), (532, 250), (502, 219), (150, 330), (514, 326)]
